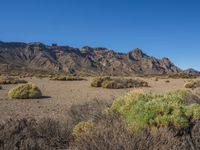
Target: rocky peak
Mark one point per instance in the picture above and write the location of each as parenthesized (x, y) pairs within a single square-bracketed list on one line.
[(36, 46), (136, 54), (86, 49), (138, 51), (166, 61)]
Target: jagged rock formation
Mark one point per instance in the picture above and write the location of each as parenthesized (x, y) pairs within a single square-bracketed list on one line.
[(37, 56)]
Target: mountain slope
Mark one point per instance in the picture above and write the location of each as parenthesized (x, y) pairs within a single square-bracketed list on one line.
[(38, 56)]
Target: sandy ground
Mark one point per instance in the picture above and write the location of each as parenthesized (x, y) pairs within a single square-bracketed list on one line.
[(60, 95)]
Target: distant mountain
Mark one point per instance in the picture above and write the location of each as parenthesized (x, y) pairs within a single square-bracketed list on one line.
[(192, 71), (37, 56)]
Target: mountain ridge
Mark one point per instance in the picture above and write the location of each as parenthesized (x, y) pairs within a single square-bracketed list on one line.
[(38, 56)]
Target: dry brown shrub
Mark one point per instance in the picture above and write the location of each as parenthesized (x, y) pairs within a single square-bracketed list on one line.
[(31, 134)]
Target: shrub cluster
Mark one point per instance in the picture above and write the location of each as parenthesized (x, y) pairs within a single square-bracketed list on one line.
[(66, 78), (98, 81), (117, 83), (11, 81), (141, 111), (109, 131), (182, 76), (25, 91), (110, 134)]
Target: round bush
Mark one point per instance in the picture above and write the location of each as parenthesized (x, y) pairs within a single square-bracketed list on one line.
[(25, 91)]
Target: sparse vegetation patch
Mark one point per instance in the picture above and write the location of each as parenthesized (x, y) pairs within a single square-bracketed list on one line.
[(11, 81), (117, 83), (43, 134), (66, 78), (182, 76)]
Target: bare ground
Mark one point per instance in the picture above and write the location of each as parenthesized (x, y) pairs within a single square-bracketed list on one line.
[(60, 95)]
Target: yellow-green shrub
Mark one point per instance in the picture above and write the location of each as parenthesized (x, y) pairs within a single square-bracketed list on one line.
[(25, 91), (193, 110), (82, 128), (191, 84)]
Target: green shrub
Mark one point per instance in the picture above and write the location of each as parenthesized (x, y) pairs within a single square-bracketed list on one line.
[(140, 111), (193, 111), (25, 91), (82, 128), (11, 81)]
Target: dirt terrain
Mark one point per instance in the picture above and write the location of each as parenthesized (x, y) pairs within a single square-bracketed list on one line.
[(60, 95)]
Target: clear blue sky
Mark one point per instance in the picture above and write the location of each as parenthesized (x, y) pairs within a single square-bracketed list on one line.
[(168, 28)]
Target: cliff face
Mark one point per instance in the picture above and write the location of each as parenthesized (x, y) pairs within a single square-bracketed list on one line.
[(38, 56)]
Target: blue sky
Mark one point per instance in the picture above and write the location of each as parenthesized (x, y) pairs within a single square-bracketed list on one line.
[(169, 28)]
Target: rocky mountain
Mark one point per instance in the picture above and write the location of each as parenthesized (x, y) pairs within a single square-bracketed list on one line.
[(37, 56), (192, 71)]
